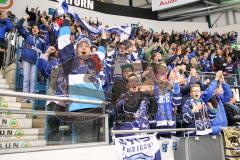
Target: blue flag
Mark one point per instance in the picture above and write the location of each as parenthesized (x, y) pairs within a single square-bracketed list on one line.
[(86, 87)]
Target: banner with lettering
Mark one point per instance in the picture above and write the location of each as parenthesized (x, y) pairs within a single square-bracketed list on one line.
[(232, 143), (165, 4), (138, 147)]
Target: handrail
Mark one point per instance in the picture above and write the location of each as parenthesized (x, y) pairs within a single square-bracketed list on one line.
[(229, 74), (52, 113), (114, 132), (48, 97)]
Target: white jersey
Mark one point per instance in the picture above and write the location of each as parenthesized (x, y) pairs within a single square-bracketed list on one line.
[(166, 148)]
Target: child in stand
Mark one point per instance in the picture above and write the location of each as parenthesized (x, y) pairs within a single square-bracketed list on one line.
[(196, 114)]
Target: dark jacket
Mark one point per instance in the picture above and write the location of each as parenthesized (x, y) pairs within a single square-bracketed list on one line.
[(32, 16), (233, 114), (218, 63)]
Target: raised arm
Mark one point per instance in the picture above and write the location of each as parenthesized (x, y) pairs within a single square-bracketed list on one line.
[(23, 32)]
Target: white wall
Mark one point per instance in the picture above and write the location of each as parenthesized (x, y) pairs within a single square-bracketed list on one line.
[(88, 153), (20, 5)]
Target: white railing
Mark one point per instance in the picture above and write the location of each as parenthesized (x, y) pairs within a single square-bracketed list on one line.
[(47, 97), (114, 132)]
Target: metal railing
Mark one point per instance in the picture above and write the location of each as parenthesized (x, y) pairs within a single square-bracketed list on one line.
[(13, 43), (47, 97), (231, 79)]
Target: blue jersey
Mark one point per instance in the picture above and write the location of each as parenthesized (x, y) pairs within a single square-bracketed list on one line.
[(206, 65), (166, 103)]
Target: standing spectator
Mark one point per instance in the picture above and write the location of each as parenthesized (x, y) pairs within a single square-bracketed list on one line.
[(230, 66), (196, 113), (166, 100), (134, 106), (232, 36), (5, 26), (236, 53), (32, 16), (218, 93), (33, 47), (205, 63), (232, 111), (218, 61), (11, 16)]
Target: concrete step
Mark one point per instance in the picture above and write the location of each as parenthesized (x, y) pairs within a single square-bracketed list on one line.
[(10, 105), (21, 138), (21, 144), (6, 89), (15, 105), (36, 116), (12, 115), (16, 123), (11, 86), (38, 123), (9, 99), (3, 81), (4, 86), (26, 105), (18, 132)]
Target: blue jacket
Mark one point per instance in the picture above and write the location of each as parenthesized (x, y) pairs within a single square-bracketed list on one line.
[(206, 65), (45, 67), (33, 46), (221, 119), (5, 26)]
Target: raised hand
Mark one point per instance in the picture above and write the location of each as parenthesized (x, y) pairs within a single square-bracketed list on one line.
[(218, 75), (26, 17)]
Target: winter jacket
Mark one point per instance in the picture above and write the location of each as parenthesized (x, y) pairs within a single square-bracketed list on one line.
[(190, 118), (233, 114), (218, 63), (5, 26), (33, 46), (221, 119), (132, 111)]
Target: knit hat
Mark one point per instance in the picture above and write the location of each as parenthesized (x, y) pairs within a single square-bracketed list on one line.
[(86, 40)]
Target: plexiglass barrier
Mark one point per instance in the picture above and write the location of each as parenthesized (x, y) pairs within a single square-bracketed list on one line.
[(24, 130)]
